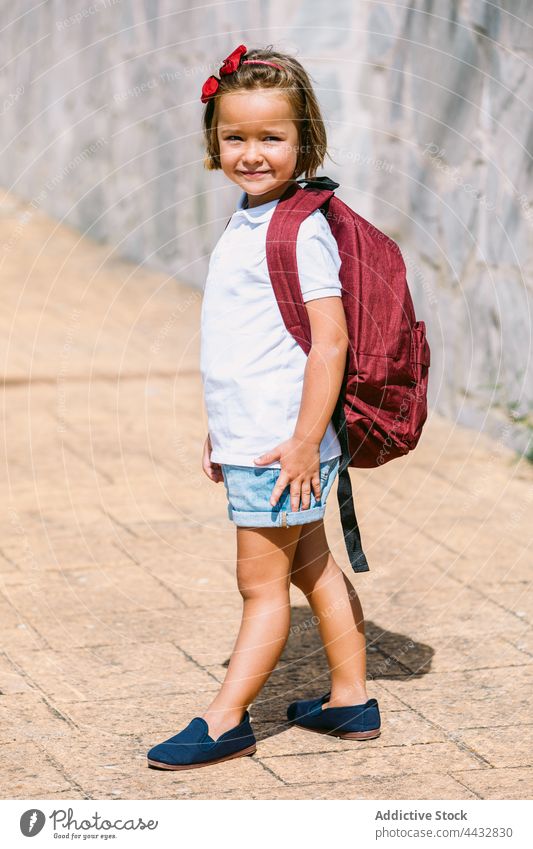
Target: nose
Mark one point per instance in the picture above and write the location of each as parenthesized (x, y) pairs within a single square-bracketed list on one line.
[(252, 155)]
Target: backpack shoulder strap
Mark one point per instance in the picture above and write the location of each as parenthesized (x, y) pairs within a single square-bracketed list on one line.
[(293, 207)]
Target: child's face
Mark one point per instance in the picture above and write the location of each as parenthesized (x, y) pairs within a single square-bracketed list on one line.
[(257, 134)]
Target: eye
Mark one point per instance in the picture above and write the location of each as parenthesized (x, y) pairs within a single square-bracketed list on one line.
[(229, 138)]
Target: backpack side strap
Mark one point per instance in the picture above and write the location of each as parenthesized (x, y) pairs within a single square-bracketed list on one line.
[(350, 528)]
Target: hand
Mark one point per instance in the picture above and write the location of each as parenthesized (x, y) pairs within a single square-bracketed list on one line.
[(212, 470), (300, 467)]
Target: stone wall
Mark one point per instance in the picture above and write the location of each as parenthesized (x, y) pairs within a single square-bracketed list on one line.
[(428, 109)]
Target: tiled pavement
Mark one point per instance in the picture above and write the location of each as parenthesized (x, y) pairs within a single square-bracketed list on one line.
[(118, 604)]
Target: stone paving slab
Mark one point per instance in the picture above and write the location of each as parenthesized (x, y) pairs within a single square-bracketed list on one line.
[(498, 783), (383, 761), (432, 786), (509, 746), (118, 601), (473, 699), (28, 715), (28, 774), (86, 674)]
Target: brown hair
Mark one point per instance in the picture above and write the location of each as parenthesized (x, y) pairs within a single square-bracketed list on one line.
[(295, 83)]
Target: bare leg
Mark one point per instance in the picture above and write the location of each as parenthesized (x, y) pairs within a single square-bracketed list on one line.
[(264, 559), (336, 605)]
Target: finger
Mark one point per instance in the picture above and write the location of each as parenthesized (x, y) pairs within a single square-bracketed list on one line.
[(306, 495), (269, 456), (214, 472), (279, 488), (265, 458), (295, 495), (315, 482)]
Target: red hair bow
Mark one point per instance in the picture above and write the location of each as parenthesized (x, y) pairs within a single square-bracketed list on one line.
[(229, 66)]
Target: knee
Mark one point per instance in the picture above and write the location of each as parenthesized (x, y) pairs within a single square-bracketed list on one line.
[(305, 575), (251, 592), (261, 588)]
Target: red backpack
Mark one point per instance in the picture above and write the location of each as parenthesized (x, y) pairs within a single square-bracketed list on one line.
[(382, 404)]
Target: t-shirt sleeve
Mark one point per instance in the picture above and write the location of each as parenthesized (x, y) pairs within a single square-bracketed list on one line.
[(318, 259)]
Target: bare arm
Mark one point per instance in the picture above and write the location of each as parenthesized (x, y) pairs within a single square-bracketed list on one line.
[(324, 369), (300, 455)]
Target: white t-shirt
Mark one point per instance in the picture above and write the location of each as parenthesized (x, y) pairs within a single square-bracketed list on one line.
[(252, 368)]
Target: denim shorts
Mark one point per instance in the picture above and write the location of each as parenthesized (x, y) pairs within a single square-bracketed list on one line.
[(249, 489)]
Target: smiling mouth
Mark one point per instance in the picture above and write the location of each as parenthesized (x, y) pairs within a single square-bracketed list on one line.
[(253, 173)]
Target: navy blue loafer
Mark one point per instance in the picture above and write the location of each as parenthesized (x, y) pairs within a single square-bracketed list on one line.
[(352, 722), (193, 747), (304, 706)]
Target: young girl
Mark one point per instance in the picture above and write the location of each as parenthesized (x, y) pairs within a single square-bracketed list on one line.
[(269, 406)]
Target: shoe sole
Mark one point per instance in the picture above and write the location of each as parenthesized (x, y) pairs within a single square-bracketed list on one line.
[(346, 735), (160, 765)]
